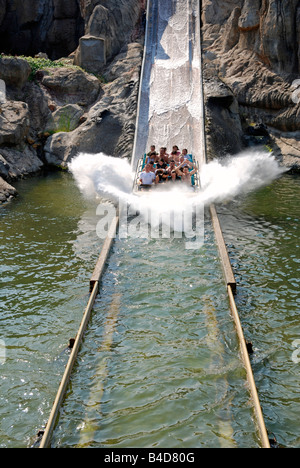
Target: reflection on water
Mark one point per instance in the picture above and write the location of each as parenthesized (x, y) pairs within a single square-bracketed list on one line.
[(263, 232)]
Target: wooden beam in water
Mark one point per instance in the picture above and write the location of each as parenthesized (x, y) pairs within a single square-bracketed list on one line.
[(94, 289), (96, 276), (227, 268)]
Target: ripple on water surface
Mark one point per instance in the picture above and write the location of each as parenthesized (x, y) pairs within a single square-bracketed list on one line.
[(45, 266), (159, 366), (263, 232)]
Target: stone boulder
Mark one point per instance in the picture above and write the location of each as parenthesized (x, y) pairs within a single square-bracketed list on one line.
[(6, 191), (253, 47), (286, 147), (14, 71), (14, 122), (4, 167), (20, 162), (91, 53), (65, 119), (62, 37), (223, 124), (71, 85)]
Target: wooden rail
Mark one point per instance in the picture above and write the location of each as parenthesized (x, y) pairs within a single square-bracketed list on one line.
[(228, 272), (94, 289), (245, 356), (231, 289)]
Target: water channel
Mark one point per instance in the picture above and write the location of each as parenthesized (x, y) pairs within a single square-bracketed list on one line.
[(159, 366)]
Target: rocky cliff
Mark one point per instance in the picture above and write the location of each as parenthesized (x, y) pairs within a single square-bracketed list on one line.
[(28, 27), (31, 26), (252, 76), (85, 101)]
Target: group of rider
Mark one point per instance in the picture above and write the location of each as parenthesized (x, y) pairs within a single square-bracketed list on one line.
[(163, 167)]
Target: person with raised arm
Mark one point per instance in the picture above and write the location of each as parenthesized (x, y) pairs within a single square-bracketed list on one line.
[(184, 173)]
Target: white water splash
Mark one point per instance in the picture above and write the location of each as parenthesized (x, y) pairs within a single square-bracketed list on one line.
[(249, 171), (105, 176), (98, 175), (111, 178)]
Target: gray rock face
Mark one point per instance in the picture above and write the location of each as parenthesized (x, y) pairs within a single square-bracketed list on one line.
[(112, 23), (14, 71), (83, 115), (67, 110), (253, 47), (55, 26), (14, 122), (222, 117), (91, 53), (265, 27), (30, 26), (110, 123), (71, 85), (6, 191)]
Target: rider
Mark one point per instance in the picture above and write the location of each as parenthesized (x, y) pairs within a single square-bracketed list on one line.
[(152, 155), (183, 171), (175, 154), (147, 177)]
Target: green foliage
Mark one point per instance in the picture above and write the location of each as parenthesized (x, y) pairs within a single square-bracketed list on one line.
[(37, 63), (40, 64), (64, 123)]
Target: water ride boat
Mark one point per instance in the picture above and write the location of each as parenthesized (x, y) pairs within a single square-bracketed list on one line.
[(163, 180)]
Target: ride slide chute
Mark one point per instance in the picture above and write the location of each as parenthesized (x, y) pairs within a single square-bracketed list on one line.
[(171, 110)]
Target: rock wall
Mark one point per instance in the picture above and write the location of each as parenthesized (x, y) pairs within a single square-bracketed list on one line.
[(28, 27), (31, 26), (107, 21), (67, 109), (252, 67)]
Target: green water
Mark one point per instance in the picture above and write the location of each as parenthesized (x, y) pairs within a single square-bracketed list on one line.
[(159, 366), (48, 248), (171, 376), (263, 231)]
